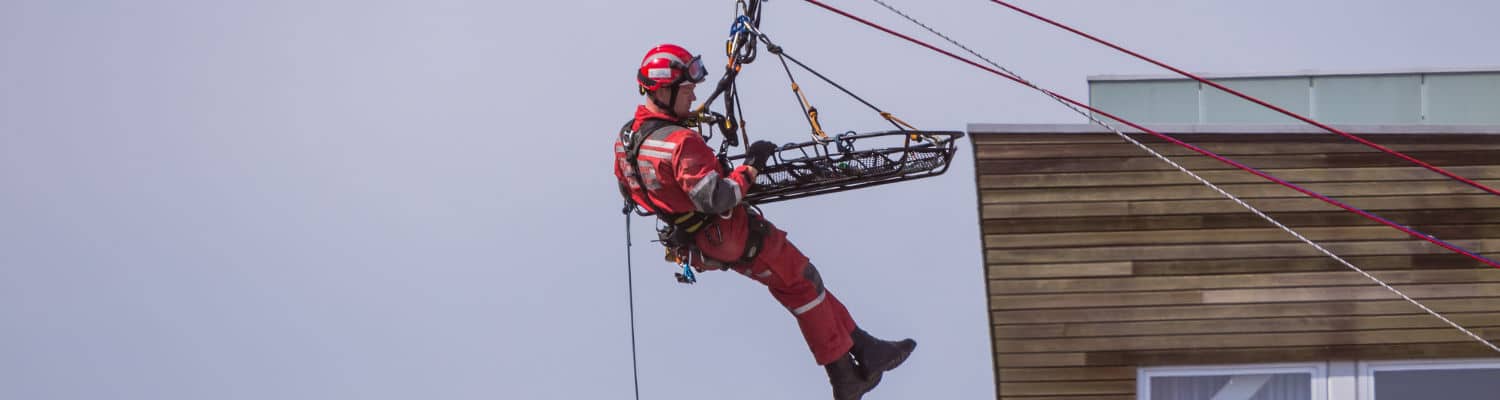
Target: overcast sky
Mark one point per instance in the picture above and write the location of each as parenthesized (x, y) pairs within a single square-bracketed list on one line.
[(413, 199)]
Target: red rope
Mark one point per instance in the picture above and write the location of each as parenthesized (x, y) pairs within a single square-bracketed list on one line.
[(1252, 99), (1173, 140)]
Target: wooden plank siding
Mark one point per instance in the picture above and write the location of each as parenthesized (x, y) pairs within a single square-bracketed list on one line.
[(1101, 259)]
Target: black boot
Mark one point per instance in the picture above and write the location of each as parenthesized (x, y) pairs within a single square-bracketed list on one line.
[(877, 356), (848, 383)]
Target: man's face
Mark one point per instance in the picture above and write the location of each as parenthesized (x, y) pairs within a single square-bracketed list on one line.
[(685, 98)]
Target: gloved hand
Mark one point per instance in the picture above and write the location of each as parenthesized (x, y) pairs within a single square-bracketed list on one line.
[(758, 153)]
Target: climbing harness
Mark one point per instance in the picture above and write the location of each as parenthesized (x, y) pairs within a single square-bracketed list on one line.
[(677, 230)]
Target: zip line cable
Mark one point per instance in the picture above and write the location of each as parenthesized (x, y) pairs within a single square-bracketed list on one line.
[(1073, 106), (1189, 146), (1252, 99)]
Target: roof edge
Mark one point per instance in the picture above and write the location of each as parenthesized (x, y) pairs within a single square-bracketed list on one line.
[(994, 128), (1295, 74)]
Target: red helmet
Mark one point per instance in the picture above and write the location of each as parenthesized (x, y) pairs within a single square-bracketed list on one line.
[(669, 65)]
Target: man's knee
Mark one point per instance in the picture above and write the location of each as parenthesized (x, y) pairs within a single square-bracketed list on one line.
[(810, 279), (810, 273)]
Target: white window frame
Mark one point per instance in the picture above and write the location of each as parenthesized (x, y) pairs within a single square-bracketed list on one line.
[(1367, 370), (1319, 371)]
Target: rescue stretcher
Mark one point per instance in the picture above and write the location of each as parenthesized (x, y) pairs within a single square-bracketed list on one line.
[(847, 162)]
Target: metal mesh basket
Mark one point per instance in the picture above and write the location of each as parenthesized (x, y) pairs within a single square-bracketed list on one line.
[(818, 167)]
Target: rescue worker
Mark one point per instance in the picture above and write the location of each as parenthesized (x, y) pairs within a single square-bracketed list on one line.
[(677, 176)]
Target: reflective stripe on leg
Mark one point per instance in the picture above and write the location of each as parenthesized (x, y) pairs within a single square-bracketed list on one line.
[(810, 273), (809, 306)]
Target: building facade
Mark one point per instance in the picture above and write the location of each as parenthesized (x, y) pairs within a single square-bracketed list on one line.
[(1114, 276)]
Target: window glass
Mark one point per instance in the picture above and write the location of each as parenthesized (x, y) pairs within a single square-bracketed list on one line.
[(1448, 384), (1286, 386)]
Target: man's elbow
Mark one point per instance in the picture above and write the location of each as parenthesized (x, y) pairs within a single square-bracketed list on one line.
[(722, 197)]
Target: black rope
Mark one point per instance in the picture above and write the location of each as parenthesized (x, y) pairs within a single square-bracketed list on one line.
[(780, 53), (630, 287), (740, 106)]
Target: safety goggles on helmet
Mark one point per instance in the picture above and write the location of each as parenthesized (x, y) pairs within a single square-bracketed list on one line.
[(696, 73)]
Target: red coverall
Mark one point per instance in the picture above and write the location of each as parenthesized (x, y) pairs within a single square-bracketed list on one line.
[(683, 175)]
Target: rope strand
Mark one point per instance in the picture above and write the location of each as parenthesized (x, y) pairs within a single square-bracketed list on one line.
[(1200, 179), (630, 288), (1189, 146), (775, 49), (1257, 101)]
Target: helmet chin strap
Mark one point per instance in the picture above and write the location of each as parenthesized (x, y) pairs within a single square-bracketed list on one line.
[(670, 108)]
